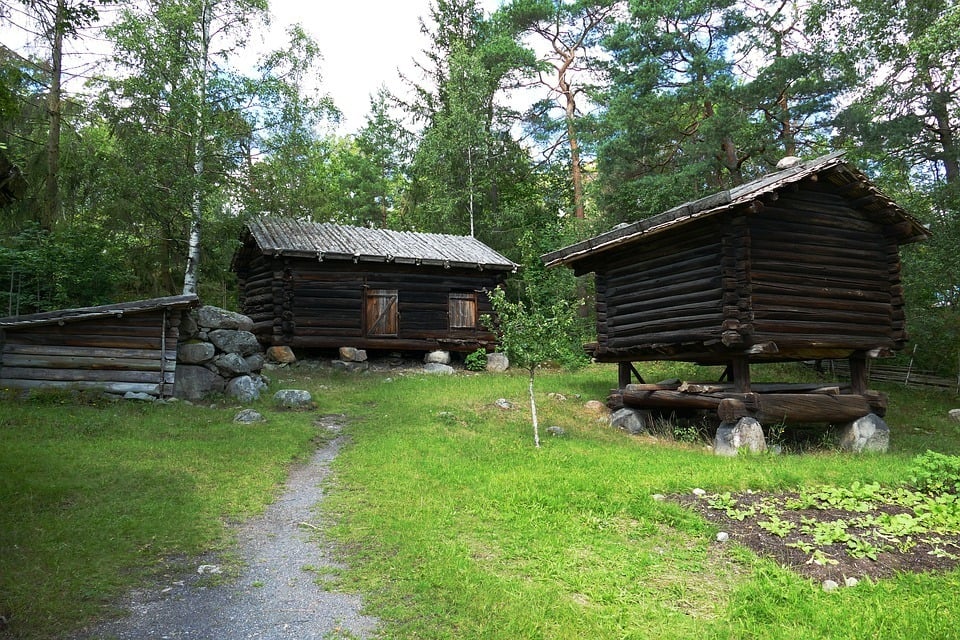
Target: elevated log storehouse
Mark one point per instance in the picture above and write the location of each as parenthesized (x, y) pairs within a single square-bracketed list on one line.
[(321, 285), (117, 348), (802, 264)]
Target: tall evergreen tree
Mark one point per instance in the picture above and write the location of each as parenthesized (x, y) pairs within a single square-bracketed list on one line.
[(468, 171), (571, 33)]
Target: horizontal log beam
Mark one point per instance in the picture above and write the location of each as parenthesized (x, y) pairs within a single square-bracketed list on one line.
[(108, 387), (87, 363)]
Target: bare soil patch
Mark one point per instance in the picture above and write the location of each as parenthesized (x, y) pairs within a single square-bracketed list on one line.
[(915, 554)]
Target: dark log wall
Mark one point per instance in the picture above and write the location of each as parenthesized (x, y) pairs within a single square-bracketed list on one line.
[(800, 276), (667, 292), (132, 353), (312, 304), (823, 277)]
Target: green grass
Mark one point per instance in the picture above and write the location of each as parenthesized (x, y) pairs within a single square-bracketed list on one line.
[(456, 527), (453, 524), (97, 495)]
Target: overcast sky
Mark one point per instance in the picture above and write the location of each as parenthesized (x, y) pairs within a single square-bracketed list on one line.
[(364, 43)]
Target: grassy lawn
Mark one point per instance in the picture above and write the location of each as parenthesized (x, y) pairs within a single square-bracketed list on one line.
[(453, 525), (98, 495)]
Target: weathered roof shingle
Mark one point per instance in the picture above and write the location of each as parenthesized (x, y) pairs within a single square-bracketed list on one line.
[(328, 241), (837, 170)]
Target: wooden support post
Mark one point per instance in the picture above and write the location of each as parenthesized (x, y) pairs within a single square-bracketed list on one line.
[(858, 373), (625, 373), (740, 371)]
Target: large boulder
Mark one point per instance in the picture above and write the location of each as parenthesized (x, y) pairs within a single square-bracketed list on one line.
[(293, 399), (868, 434), (437, 357), (745, 435), (243, 388), (352, 354), (281, 355), (497, 362), (633, 421), (233, 341), (231, 365), (195, 383), (216, 318), (438, 368), (195, 352), (255, 361)]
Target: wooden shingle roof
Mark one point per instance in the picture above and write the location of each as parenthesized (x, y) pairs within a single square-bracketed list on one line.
[(328, 241), (849, 181), (65, 316)]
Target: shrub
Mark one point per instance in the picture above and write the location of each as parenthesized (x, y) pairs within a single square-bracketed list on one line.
[(476, 361), (936, 473)]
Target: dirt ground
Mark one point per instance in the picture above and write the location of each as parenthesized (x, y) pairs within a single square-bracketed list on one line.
[(921, 557)]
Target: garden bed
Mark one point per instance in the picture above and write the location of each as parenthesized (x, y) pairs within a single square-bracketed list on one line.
[(827, 533)]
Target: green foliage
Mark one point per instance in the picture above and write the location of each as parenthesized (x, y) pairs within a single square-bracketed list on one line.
[(72, 267), (936, 473), (476, 361), (533, 336)]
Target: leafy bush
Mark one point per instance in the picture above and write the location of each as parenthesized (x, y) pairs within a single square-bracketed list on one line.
[(476, 361), (936, 473)]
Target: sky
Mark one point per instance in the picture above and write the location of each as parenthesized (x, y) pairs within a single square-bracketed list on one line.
[(364, 44)]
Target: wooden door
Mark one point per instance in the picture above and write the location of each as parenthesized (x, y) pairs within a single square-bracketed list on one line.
[(463, 311), (382, 317)]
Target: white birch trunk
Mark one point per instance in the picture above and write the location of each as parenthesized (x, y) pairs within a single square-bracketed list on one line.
[(191, 272), (533, 413)]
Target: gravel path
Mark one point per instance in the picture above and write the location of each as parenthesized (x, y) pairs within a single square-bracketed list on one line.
[(275, 596)]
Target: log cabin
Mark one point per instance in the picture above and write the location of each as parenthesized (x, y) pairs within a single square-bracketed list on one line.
[(801, 264), (321, 285), (117, 348)]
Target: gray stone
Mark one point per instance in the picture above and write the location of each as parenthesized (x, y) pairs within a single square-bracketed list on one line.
[(144, 397), (699, 492), (188, 325), (851, 582), (723, 536), (209, 317), (195, 382), (350, 366), (745, 435), (232, 341), (869, 434), (437, 357), (830, 585), (351, 354), (230, 365), (438, 368), (209, 569), (195, 352), (281, 355), (503, 403), (556, 431), (954, 415), (293, 399), (633, 421), (596, 407), (243, 388), (249, 416), (497, 362), (255, 362)]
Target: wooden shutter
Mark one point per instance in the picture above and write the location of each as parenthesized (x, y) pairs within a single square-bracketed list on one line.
[(382, 316), (463, 311)]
